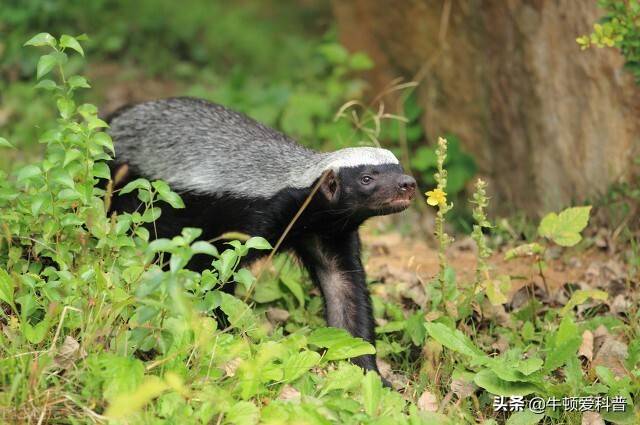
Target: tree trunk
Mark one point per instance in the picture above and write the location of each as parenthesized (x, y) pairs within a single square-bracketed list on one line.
[(549, 124)]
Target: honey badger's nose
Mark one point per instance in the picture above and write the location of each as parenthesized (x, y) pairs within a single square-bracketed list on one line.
[(407, 184)]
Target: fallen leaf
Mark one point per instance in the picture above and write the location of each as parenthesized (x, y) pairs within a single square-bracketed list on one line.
[(289, 393), (231, 366), (592, 418), (462, 388), (620, 304), (68, 353), (428, 402), (586, 348), (277, 315), (612, 354)]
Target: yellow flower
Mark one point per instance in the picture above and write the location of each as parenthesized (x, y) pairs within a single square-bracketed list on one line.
[(436, 196)]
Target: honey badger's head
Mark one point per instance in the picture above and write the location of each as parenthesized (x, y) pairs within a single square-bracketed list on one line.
[(369, 190)]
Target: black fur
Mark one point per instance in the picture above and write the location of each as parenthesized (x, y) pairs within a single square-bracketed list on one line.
[(325, 237)]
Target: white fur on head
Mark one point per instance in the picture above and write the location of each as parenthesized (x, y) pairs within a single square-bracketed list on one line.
[(354, 157), (343, 158)]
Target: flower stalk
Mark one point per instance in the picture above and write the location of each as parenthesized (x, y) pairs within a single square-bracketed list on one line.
[(438, 198)]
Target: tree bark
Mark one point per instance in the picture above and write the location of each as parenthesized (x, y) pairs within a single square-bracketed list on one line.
[(549, 124)]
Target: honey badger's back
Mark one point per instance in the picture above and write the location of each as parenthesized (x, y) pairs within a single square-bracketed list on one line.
[(202, 147)]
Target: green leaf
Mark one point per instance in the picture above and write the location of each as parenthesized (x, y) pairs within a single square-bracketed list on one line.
[(45, 65), (581, 296), (564, 228), (63, 178), (28, 172), (78, 81), (42, 39), (453, 339), (101, 170), (340, 344), (124, 405), (345, 377), (267, 291), (360, 62), (136, 184), (293, 284), (299, 363), (46, 84), (71, 43), (165, 194), (488, 380), (239, 313), (66, 106), (4, 143), (6, 287), (35, 334), (243, 413), (497, 289), (348, 349), (225, 264), (415, 328), (526, 417), (563, 344), (95, 122), (244, 277), (104, 140), (334, 53), (203, 247), (258, 242), (71, 155), (371, 393), (162, 244)]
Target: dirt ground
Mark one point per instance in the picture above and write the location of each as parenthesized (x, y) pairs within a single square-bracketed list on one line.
[(392, 257)]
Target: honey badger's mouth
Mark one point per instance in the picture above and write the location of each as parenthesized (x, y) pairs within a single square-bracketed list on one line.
[(395, 205)]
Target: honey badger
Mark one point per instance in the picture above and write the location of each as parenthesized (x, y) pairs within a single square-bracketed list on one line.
[(235, 174)]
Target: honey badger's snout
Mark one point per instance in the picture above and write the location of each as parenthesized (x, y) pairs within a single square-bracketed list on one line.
[(407, 186)]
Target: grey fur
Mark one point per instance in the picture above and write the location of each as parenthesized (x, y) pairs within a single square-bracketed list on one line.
[(235, 153)]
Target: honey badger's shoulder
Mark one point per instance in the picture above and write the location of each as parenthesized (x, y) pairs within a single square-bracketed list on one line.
[(203, 147)]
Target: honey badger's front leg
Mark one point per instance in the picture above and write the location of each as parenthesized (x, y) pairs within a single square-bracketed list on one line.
[(335, 266)]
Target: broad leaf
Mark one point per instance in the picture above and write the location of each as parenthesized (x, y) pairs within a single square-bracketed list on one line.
[(42, 39), (6, 287), (564, 228), (453, 339), (581, 296), (488, 380), (71, 43)]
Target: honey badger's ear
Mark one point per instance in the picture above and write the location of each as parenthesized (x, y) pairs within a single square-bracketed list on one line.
[(330, 186)]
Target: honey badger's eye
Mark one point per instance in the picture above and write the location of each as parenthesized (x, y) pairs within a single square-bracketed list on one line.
[(366, 179)]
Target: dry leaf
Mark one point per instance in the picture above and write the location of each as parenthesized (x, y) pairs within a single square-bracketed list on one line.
[(586, 348), (289, 393), (592, 418), (428, 402), (462, 388), (231, 366), (620, 304), (277, 315), (612, 354), (68, 352)]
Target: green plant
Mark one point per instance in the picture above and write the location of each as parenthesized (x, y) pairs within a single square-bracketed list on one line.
[(102, 323), (438, 198), (620, 28)]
